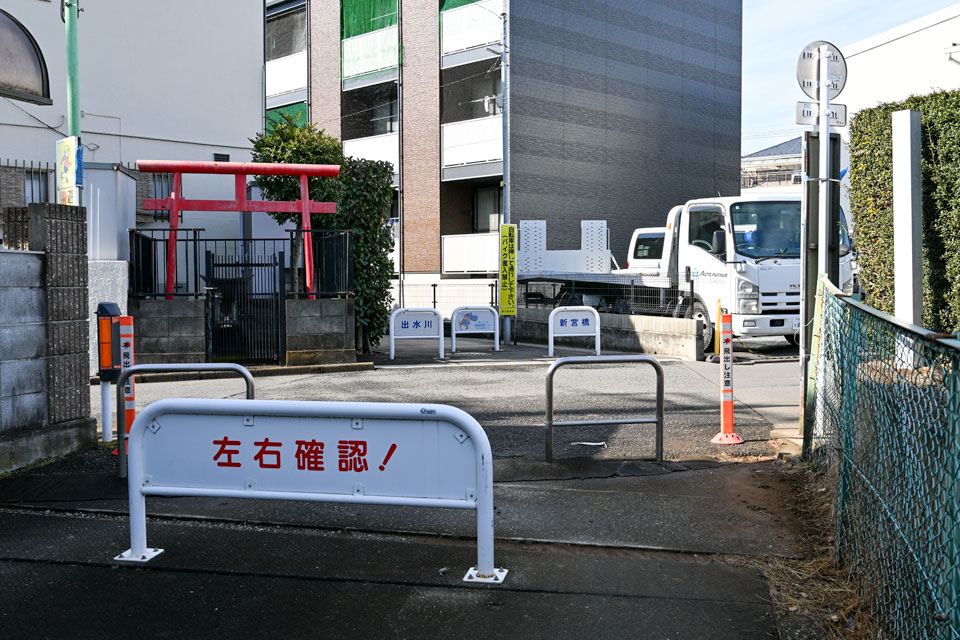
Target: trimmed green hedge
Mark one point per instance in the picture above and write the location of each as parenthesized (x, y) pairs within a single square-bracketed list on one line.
[(871, 201)]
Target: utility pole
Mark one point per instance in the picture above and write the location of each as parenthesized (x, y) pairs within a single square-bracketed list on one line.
[(504, 92), (71, 14)]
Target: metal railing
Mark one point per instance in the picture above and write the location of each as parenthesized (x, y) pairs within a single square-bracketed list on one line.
[(886, 424), (164, 368), (658, 420), (332, 250)]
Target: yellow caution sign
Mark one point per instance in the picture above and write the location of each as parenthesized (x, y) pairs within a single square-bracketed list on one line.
[(508, 270)]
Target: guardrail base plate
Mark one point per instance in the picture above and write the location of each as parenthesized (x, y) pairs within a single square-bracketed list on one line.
[(499, 575), (127, 556)]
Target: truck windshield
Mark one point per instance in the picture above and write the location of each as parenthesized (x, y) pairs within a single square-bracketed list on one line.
[(767, 229)]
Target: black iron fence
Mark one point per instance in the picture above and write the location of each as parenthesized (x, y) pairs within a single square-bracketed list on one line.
[(150, 255)]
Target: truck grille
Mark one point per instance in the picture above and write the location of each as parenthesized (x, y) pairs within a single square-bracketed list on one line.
[(780, 302)]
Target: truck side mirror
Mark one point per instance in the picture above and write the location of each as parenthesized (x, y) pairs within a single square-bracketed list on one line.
[(719, 243)]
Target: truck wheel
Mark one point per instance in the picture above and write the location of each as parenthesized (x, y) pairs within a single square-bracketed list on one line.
[(621, 306), (709, 335)]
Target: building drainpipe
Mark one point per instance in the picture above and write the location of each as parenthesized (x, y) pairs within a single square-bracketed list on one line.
[(400, 194)]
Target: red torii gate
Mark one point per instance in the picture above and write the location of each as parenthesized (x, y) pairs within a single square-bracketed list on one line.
[(175, 203)]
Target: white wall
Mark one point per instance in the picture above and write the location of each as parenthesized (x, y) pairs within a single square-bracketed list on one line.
[(903, 61), (178, 80)]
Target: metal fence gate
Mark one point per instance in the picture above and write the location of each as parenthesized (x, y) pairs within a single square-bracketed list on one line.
[(244, 308)]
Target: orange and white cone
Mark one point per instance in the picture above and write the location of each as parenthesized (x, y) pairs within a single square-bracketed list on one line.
[(726, 435)]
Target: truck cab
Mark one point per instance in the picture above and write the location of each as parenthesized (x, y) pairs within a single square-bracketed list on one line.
[(743, 254)]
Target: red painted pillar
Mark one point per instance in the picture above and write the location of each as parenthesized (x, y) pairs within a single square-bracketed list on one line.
[(172, 237), (307, 236)]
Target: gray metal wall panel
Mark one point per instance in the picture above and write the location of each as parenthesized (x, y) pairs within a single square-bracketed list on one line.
[(620, 110)]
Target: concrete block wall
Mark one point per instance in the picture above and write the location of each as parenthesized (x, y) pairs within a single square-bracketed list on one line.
[(44, 336), (168, 331), (621, 332), (23, 344), (320, 331), (61, 232)]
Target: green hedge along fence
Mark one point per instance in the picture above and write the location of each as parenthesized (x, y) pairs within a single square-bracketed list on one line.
[(871, 201)]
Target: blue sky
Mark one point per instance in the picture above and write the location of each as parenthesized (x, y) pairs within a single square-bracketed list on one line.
[(774, 33)]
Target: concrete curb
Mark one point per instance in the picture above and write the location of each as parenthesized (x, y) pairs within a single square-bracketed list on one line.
[(257, 372)]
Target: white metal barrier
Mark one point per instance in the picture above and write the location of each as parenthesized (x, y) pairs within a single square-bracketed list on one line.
[(421, 455), (656, 420), (411, 323), (137, 369), (468, 320), (573, 321)]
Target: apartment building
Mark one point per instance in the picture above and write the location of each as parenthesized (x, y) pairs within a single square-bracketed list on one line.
[(616, 109)]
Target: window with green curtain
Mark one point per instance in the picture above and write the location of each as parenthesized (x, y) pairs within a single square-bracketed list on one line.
[(453, 4), (297, 110), (363, 16)]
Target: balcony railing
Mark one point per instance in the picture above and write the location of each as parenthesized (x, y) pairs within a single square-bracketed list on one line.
[(287, 74), (472, 141), (470, 26), (383, 147), (471, 253), (370, 52)]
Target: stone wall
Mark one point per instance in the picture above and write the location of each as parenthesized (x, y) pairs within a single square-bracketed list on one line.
[(46, 287), (23, 343), (168, 331), (621, 332), (320, 331)]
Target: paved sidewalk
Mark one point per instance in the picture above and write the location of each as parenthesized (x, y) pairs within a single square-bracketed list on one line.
[(603, 557), (599, 544)]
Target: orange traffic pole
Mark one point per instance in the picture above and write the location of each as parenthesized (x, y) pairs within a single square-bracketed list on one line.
[(726, 435), (126, 361)]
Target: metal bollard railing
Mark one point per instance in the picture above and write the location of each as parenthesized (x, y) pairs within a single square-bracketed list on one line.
[(550, 424), (164, 368)]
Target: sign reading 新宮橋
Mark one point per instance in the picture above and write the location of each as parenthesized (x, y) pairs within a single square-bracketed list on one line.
[(571, 322), (508, 270)]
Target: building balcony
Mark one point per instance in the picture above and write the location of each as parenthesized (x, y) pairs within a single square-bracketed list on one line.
[(467, 32), (472, 148), (287, 74), (370, 58), (472, 253), (383, 147)]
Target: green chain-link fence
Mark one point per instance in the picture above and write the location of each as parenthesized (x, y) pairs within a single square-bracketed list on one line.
[(887, 422)]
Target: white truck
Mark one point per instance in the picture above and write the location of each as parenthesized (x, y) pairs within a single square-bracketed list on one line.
[(740, 253)]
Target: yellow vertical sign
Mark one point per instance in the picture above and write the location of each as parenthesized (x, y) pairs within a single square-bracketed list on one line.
[(508, 270)]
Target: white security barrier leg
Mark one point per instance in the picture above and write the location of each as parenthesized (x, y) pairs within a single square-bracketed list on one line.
[(138, 551), (485, 571), (105, 418)]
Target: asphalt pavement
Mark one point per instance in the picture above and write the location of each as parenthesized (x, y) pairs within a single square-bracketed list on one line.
[(602, 543)]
